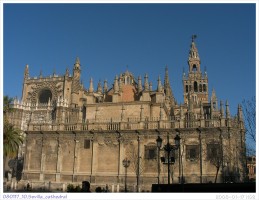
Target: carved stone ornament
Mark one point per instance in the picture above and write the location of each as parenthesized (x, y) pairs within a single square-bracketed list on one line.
[(108, 140), (52, 86)]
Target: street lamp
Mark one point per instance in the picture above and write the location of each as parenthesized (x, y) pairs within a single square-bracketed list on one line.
[(169, 148), (159, 144), (126, 164)]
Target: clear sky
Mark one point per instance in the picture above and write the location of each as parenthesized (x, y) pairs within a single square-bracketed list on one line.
[(145, 37)]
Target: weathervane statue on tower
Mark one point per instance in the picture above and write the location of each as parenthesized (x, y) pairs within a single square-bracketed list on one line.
[(194, 37)]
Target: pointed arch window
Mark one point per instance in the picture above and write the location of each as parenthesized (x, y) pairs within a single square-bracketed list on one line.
[(195, 86), (204, 88), (194, 68)]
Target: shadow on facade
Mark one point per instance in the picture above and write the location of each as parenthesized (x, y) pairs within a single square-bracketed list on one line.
[(205, 188)]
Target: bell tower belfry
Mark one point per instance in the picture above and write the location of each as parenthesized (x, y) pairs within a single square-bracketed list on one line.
[(76, 81), (195, 83)]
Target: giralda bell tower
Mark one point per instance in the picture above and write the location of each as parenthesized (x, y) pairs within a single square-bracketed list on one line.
[(195, 84)]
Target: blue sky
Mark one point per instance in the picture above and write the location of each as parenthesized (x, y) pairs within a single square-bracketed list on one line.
[(145, 37)]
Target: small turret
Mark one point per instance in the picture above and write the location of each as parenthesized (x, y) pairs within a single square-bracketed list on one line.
[(40, 74), (227, 110), (67, 72), (99, 88), (159, 85), (54, 72), (150, 86), (105, 86), (146, 83), (116, 85), (139, 84), (26, 72), (91, 86), (221, 109), (214, 101), (240, 113), (120, 83)]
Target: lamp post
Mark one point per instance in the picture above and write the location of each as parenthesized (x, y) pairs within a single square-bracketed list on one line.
[(126, 164), (159, 144), (168, 148)]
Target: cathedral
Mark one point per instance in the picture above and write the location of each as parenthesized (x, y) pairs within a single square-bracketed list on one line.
[(75, 134)]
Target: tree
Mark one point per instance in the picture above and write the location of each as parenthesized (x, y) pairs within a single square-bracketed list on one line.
[(214, 155), (12, 136), (136, 163), (12, 140), (250, 116), (7, 103), (7, 108)]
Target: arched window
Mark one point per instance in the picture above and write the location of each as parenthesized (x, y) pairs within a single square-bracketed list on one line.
[(45, 95), (127, 80), (186, 88), (200, 87), (84, 114), (204, 88), (195, 86), (194, 68)]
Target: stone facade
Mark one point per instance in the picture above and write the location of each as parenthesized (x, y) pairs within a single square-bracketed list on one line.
[(251, 168), (75, 134)]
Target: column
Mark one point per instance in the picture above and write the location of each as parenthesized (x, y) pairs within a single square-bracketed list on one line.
[(59, 152), (43, 157), (75, 164)]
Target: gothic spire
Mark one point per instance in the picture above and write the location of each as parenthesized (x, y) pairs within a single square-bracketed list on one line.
[(167, 87), (166, 83)]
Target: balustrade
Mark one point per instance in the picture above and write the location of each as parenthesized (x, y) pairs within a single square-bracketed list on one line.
[(127, 125)]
